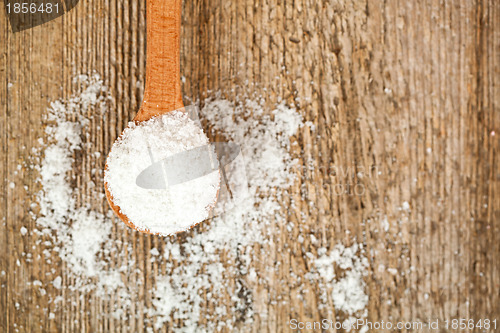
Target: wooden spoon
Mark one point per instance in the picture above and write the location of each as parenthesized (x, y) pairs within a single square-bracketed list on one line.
[(163, 78), (163, 86)]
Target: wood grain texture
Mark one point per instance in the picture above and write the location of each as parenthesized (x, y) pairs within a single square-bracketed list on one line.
[(409, 89)]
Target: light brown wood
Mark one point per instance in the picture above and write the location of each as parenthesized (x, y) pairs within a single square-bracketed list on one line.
[(409, 88)]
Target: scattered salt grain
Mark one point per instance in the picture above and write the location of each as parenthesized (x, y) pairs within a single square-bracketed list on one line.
[(23, 231), (347, 291), (86, 244), (57, 282), (167, 211), (385, 224), (311, 125), (79, 231)]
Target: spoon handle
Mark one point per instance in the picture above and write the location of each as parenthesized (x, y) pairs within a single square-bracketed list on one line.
[(163, 85)]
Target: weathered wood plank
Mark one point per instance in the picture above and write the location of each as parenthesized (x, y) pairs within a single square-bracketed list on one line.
[(407, 89)]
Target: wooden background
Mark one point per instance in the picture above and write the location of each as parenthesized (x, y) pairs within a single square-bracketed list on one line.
[(410, 88)]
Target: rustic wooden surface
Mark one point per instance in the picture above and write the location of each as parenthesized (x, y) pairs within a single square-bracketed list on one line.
[(409, 88)]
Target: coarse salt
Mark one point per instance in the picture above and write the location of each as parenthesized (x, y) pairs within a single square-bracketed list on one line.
[(163, 211)]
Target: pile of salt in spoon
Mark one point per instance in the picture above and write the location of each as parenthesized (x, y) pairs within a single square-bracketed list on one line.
[(160, 129), (159, 211)]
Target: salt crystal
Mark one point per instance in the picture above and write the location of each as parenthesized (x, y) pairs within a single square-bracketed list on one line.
[(24, 231), (385, 224), (57, 282)]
